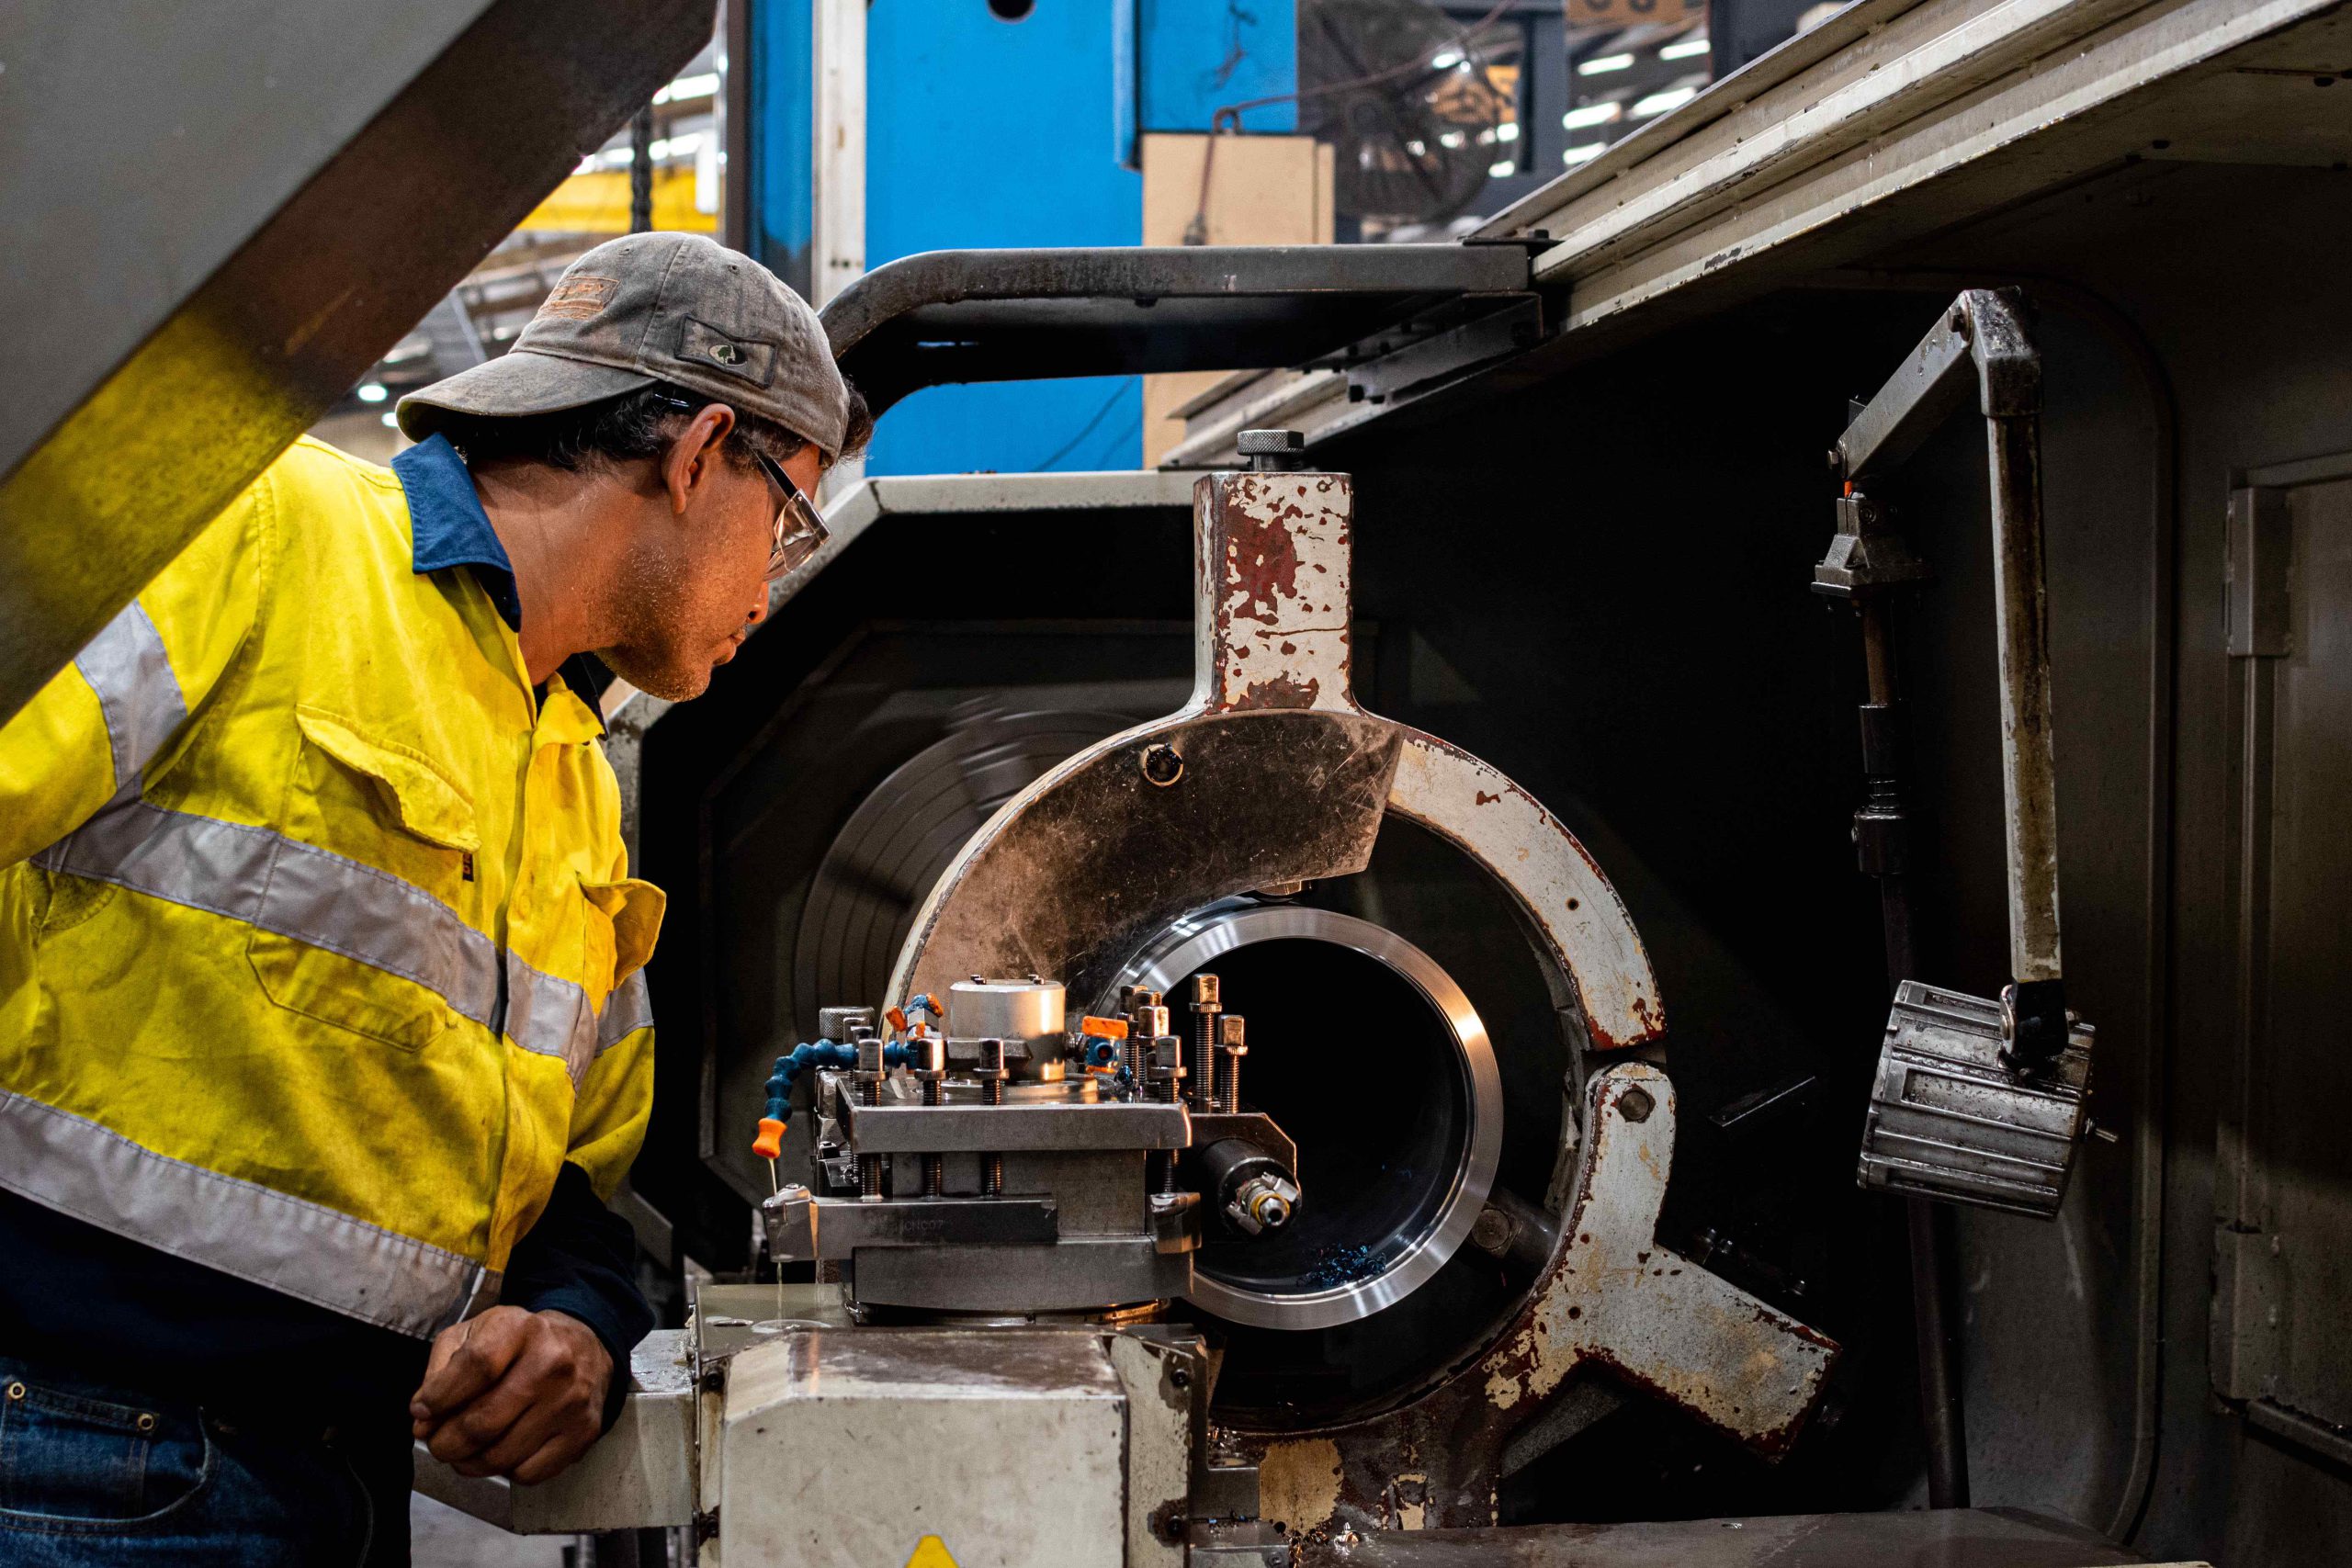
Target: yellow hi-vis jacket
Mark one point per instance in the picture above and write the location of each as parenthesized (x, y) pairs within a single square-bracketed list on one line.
[(318, 956)]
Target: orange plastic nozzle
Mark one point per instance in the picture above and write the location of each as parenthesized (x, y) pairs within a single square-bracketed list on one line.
[(1103, 1027), (896, 1020), (769, 1143)]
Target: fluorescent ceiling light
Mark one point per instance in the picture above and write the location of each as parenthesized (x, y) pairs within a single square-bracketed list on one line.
[(1584, 154), (1658, 103), (1497, 171), (1452, 138), (392, 419), (1684, 47), (1600, 64), (1507, 131), (1593, 114), (701, 87), (1447, 61), (372, 392)]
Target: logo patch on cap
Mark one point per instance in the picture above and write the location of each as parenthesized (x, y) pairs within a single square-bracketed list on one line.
[(579, 297), (746, 359)]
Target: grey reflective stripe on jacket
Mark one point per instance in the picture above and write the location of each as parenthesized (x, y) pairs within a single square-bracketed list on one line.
[(627, 1011), (549, 1016), (289, 1244), (295, 889), (138, 694), (298, 890)]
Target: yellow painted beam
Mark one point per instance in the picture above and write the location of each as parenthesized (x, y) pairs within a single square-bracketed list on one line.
[(598, 203)]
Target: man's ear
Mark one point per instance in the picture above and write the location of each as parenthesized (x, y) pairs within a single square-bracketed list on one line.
[(694, 457)]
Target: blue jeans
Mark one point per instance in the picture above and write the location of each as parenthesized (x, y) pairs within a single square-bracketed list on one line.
[(91, 1473)]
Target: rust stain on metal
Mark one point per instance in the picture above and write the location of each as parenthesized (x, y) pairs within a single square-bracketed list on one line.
[(1278, 692), (1272, 551), (1298, 1483), (1261, 563)]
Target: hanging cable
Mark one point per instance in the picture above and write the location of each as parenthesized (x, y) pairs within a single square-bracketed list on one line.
[(640, 171), (1227, 119), (1084, 429)]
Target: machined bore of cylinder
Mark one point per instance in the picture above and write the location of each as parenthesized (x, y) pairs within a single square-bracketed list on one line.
[(1334, 1263)]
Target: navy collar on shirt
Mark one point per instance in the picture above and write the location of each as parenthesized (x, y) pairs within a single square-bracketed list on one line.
[(450, 529)]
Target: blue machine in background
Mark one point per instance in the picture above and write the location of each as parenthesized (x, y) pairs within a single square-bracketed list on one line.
[(994, 123)]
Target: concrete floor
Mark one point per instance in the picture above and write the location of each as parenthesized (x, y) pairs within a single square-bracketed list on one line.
[(440, 1536)]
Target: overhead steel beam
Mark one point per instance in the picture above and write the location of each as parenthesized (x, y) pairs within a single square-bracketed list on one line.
[(219, 215), (1996, 102), (1891, 120)]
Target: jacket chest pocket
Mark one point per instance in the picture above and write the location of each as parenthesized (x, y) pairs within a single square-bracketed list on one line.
[(620, 924), (596, 936), (358, 924)]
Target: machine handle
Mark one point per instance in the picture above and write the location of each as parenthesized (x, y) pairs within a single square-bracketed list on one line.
[(1984, 338)]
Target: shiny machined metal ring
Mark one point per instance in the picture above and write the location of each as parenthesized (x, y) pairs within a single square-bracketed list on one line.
[(1197, 939)]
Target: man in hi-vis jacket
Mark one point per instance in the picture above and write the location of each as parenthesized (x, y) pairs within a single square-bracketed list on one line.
[(323, 1035)]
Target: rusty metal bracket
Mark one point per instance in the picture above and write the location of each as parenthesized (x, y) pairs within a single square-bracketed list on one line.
[(1646, 1314), (1613, 1301), (1271, 773)]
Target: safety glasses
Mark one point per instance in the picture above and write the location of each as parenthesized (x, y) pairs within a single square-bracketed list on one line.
[(799, 530)]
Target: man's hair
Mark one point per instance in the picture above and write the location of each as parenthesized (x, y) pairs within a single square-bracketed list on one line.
[(632, 426)]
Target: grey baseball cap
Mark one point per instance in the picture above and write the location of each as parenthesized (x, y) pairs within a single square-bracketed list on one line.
[(659, 306)]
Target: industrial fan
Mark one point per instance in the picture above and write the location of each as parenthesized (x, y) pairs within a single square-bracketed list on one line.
[(1412, 101)]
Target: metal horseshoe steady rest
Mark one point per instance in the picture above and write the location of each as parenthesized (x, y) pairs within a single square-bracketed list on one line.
[(1975, 1101)]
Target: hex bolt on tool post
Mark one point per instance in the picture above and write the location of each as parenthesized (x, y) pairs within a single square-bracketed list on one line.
[(1139, 998), (1151, 1022), (870, 1071), (1201, 1065), (1232, 1044), (991, 1074), (928, 1062), (1163, 1085)]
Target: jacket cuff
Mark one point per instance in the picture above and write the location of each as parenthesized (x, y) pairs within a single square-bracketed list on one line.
[(618, 1338)]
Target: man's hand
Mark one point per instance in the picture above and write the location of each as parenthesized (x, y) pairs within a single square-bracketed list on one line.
[(513, 1393)]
